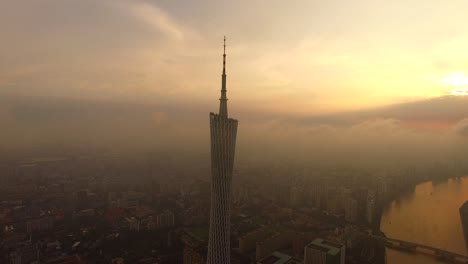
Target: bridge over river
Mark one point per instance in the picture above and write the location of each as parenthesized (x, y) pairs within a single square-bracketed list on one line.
[(444, 255)]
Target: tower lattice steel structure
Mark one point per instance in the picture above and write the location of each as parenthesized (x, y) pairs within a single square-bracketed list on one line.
[(223, 131)]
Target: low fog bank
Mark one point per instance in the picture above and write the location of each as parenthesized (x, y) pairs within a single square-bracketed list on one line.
[(406, 134)]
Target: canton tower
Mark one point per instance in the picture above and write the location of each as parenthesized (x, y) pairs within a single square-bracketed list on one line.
[(223, 131)]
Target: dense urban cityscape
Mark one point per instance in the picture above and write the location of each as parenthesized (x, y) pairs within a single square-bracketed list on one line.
[(117, 209), (345, 140)]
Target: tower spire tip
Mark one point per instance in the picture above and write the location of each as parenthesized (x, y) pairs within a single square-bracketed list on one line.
[(223, 99)]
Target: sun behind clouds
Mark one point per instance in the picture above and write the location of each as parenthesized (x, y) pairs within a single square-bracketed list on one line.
[(457, 82)]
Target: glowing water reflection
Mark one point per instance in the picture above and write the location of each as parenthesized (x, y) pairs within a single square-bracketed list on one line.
[(428, 216)]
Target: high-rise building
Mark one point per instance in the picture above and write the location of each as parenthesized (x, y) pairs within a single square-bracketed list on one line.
[(321, 251), (319, 192), (223, 131), (370, 206), (249, 241), (382, 185), (165, 219), (27, 253), (40, 224), (351, 209), (276, 241), (295, 195)]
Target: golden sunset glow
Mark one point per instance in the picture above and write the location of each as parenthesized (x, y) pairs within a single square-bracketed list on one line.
[(456, 83), (234, 131), (288, 58), (456, 79)]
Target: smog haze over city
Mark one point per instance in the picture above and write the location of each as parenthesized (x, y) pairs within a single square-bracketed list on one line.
[(162, 131)]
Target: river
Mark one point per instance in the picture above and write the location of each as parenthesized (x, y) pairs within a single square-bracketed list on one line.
[(428, 215)]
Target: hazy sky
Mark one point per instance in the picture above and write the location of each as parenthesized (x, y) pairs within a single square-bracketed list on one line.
[(283, 56), (295, 69)]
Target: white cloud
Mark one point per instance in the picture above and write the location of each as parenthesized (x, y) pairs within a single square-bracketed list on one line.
[(155, 17)]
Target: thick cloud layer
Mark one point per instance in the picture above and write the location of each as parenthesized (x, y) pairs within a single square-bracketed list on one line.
[(359, 138)]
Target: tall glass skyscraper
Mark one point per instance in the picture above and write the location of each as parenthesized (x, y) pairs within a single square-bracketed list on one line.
[(223, 131)]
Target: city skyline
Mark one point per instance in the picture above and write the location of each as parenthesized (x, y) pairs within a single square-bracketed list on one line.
[(133, 75), (352, 148)]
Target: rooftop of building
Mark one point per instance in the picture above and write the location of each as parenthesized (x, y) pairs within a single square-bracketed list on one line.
[(199, 233), (278, 258), (325, 246)]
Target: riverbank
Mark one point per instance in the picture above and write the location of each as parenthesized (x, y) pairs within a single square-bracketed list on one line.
[(429, 215)]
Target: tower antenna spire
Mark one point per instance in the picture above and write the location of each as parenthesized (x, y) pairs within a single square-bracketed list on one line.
[(223, 99), (224, 57)]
